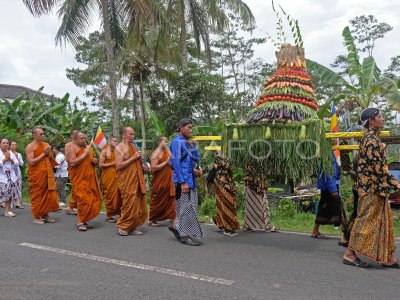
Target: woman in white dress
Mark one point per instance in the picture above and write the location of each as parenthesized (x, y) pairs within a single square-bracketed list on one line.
[(8, 178), (18, 163)]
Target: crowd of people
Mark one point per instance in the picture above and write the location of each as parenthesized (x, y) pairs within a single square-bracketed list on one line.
[(174, 195)]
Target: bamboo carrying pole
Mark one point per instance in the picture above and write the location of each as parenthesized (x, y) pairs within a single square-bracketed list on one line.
[(329, 135)]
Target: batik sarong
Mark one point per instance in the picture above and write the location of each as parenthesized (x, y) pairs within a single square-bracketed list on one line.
[(372, 234)]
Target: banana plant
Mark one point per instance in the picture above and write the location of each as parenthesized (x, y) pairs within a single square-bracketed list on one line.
[(366, 80)]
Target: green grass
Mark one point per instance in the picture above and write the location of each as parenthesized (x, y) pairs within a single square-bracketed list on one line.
[(287, 218)]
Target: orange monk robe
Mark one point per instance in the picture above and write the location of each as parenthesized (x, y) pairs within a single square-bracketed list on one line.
[(72, 201), (130, 182), (85, 188), (42, 184), (162, 198), (110, 189)]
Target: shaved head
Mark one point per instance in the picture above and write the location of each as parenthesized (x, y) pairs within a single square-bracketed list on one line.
[(76, 134), (73, 132), (128, 134), (35, 130)]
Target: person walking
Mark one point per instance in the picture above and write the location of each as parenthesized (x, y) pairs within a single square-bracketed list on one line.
[(8, 178), (18, 163), (61, 174), (184, 157), (372, 233)]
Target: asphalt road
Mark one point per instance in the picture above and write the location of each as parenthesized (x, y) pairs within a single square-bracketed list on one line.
[(55, 261)]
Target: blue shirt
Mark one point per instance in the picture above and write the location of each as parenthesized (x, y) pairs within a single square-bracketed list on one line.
[(183, 160), (328, 182)]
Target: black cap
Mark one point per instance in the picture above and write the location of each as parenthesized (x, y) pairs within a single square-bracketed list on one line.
[(184, 122), (366, 114)]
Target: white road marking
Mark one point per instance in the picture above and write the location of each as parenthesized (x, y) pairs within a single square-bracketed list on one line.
[(131, 264)]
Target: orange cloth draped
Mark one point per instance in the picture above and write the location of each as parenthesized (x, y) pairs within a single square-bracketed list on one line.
[(130, 182), (72, 202), (162, 199), (42, 184), (85, 188), (110, 189)]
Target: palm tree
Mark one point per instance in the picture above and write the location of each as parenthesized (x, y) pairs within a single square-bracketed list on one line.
[(366, 80), (116, 15), (203, 16)]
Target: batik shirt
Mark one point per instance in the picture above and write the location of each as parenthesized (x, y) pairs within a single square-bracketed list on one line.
[(373, 174), (255, 180), (224, 175)]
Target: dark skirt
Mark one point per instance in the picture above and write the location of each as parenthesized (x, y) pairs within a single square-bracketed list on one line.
[(329, 210)]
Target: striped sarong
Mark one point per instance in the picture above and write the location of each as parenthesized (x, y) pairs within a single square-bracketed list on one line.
[(256, 213)]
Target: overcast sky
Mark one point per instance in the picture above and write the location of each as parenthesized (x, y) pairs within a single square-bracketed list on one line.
[(29, 57)]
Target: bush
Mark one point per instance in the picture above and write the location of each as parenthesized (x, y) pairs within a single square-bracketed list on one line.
[(208, 207), (287, 208)]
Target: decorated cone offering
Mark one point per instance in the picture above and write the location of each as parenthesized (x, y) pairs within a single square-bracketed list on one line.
[(282, 134), (288, 95)]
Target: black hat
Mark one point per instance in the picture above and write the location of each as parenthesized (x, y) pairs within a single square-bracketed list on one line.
[(366, 114), (184, 122)]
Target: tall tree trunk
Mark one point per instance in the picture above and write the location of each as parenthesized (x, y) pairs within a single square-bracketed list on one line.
[(183, 37), (232, 62), (143, 118), (111, 68)]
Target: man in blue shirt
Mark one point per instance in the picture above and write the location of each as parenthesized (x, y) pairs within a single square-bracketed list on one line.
[(184, 159)]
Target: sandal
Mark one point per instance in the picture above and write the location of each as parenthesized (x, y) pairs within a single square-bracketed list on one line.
[(175, 232), (111, 220), (343, 244), (123, 232), (154, 224), (48, 220), (248, 230), (71, 212), (392, 266), (81, 227), (272, 229), (88, 226), (356, 263), (9, 214), (136, 232), (319, 236), (38, 221)]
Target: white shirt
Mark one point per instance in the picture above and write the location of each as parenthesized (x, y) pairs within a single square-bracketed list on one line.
[(7, 167), (62, 168), (18, 162)]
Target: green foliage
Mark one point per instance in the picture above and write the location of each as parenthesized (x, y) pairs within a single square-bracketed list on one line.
[(56, 116), (208, 207), (293, 158), (287, 208)]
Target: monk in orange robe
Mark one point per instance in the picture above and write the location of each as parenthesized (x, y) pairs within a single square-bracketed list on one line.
[(42, 184), (162, 199), (71, 208), (130, 182), (110, 190), (83, 176)]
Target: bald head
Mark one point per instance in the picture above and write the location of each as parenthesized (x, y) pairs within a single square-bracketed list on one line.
[(112, 141), (128, 134), (73, 132), (35, 130), (38, 134), (80, 139)]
